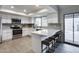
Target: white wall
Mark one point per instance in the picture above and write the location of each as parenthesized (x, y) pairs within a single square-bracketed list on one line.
[(0, 30), (52, 18), (55, 7)]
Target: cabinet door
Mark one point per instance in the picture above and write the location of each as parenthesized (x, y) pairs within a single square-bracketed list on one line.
[(6, 20), (27, 31), (7, 34), (26, 20)]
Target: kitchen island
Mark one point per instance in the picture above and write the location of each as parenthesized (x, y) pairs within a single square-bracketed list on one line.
[(38, 36)]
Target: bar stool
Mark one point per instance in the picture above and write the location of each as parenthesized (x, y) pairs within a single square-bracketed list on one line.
[(46, 42), (60, 35), (56, 37), (53, 38)]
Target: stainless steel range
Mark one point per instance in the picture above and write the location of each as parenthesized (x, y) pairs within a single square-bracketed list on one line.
[(17, 28), (17, 33)]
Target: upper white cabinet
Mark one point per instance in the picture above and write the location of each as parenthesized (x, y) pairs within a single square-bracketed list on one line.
[(26, 21), (52, 18), (6, 20)]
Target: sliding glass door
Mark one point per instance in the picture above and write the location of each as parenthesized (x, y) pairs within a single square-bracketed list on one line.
[(76, 28), (72, 28), (69, 28)]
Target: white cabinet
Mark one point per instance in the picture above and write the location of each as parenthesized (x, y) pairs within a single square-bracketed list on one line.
[(7, 34), (30, 31), (52, 18), (26, 31), (6, 20), (26, 21)]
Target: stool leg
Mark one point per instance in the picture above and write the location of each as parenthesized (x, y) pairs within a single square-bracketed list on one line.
[(41, 47), (47, 50), (53, 46)]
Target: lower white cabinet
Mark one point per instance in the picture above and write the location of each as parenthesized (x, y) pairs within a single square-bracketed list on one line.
[(26, 31), (7, 34)]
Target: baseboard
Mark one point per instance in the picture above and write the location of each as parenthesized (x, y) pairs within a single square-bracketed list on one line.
[(0, 42), (72, 44)]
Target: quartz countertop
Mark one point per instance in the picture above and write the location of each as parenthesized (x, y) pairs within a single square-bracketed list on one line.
[(45, 32), (41, 32)]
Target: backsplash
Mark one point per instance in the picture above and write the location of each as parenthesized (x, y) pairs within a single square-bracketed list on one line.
[(4, 27), (53, 27)]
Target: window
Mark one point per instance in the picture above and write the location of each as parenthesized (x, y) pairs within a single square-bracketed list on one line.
[(38, 21), (44, 22), (41, 22)]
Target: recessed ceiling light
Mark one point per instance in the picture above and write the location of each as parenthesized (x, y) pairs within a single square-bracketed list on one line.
[(24, 10), (12, 6), (37, 5)]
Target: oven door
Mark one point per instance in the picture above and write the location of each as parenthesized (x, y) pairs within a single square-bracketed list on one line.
[(17, 31)]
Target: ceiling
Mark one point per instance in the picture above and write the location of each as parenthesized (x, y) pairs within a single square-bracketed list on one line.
[(65, 7), (30, 9), (20, 8)]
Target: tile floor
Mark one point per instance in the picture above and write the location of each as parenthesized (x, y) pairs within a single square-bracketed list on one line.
[(24, 45), (20, 45), (66, 48)]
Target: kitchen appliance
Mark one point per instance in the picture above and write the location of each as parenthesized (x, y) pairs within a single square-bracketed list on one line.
[(17, 28), (16, 21), (17, 32)]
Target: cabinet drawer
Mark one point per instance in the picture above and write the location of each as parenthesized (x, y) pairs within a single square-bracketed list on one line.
[(6, 37), (6, 34)]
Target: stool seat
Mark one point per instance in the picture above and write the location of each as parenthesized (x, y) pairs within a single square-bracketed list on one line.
[(47, 41), (52, 38), (51, 42)]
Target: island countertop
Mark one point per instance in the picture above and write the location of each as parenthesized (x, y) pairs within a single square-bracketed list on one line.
[(43, 32), (38, 36)]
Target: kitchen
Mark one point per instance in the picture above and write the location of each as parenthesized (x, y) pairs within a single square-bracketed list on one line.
[(24, 27), (17, 25)]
